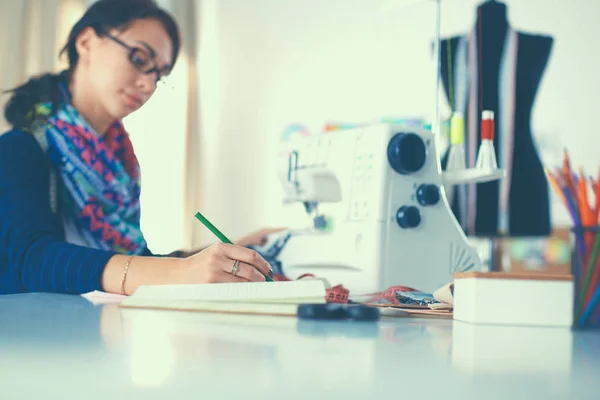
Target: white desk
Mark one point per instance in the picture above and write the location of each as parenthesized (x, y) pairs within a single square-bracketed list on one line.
[(63, 347)]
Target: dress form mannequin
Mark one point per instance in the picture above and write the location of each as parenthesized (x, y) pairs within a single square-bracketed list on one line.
[(527, 209)]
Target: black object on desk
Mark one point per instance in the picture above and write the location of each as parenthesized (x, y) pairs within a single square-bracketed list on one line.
[(338, 311)]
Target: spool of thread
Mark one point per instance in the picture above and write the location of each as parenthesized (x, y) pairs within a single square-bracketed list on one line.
[(457, 128), (486, 157), (487, 125), (456, 156)]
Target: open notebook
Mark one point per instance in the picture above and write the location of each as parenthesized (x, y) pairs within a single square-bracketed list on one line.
[(276, 298)]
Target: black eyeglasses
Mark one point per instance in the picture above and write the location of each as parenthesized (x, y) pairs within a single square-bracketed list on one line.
[(142, 60)]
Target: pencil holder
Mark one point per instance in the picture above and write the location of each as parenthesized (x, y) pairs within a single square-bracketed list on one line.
[(585, 269)]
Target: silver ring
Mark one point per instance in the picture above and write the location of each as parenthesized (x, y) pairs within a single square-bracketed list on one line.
[(236, 267)]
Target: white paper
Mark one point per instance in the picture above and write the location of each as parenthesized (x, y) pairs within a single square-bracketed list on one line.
[(285, 291), (98, 297)]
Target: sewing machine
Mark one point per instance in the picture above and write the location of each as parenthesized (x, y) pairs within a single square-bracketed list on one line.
[(378, 210)]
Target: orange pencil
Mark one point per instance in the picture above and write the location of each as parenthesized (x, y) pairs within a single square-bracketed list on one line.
[(556, 186), (596, 188), (584, 208), (584, 204), (568, 177)]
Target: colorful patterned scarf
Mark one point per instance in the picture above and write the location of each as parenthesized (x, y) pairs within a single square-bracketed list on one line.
[(100, 194)]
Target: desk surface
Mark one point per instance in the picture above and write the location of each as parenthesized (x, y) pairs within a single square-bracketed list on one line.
[(54, 346)]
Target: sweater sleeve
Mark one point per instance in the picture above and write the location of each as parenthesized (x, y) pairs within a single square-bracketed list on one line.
[(31, 235)]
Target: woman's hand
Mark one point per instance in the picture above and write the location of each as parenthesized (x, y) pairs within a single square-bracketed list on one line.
[(215, 265), (258, 238)]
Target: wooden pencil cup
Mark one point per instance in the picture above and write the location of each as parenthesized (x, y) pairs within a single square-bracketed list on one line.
[(585, 268)]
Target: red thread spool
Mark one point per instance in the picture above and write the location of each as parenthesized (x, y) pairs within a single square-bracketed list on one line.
[(487, 125)]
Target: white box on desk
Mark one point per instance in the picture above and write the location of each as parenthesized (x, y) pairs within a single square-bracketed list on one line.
[(513, 298)]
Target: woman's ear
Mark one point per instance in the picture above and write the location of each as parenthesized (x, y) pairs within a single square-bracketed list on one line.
[(85, 42)]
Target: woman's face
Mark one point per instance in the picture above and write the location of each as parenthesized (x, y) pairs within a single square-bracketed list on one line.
[(116, 65)]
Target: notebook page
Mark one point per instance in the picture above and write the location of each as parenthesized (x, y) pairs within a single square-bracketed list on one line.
[(214, 306), (98, 297), (288, 291)]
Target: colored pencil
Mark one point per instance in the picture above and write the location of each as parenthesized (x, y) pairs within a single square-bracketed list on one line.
[(580, 194)]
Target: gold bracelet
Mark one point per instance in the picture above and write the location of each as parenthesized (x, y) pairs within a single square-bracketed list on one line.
[(125, 269)]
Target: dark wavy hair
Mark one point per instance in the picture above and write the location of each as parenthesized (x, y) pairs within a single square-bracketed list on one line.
[(102, 16)]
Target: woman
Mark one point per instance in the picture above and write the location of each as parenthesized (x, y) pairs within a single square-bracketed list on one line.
[(69, 179)]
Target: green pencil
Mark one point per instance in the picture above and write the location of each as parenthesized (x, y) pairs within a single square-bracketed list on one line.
[(220, 235)]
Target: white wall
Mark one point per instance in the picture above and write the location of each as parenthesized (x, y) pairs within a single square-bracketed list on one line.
[(268, 63)]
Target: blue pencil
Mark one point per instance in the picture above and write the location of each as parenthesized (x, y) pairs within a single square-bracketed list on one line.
[(591, 307)]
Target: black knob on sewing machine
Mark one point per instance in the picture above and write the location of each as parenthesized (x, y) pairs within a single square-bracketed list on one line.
[(408, 217), (406, 153), (428, 195)]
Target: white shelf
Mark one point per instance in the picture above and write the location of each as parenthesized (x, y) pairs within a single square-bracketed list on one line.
[(472, 175)]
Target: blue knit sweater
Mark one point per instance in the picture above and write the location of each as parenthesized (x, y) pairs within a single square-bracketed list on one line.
[(34, 256)]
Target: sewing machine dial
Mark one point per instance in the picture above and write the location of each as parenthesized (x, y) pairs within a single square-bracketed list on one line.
[(428, 195), (408, 217), (407, 153)]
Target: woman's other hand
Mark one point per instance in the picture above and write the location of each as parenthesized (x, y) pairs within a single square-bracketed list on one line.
[(215, 265), (258, 238)]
